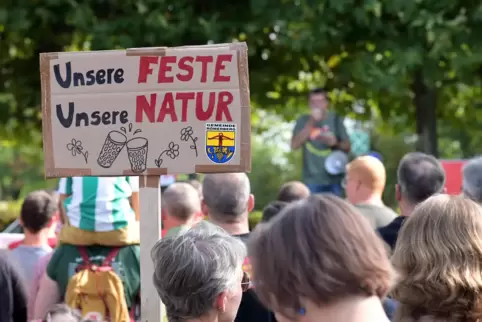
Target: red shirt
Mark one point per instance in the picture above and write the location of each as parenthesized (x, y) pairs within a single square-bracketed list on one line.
[(52, 243)]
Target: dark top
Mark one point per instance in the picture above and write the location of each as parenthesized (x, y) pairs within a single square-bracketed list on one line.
[(13, 294), (389, 233), (251, 309)]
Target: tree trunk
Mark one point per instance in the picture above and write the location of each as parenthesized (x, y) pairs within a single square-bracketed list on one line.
[(425, 102)]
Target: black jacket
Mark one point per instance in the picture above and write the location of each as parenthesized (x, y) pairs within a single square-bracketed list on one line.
[(13, 295), (251, 309), (389, 233)]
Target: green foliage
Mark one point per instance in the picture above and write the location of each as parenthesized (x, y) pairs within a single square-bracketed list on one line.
[(21, 166), (254, 219), (370, 52), (272, 165), (9, 211)]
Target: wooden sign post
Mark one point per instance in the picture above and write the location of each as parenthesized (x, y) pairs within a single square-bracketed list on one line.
[(146, 112)]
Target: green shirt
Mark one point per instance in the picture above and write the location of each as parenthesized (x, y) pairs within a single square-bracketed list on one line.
[(99, 203), (66, 258), (315, 152)]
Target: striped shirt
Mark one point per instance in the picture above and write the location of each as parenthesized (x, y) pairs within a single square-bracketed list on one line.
[(99, 204)]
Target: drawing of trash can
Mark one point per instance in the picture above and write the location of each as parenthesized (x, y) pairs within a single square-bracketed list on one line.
[(113, 145), (137, 153)]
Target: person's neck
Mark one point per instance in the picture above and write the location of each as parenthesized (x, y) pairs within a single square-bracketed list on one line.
[(237, 228), (39, 239), (177, 223), (353, 309), (371, 199), (208, 318), (406, 210)]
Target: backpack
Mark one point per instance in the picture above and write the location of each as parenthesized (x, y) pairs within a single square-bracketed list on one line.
[(97, 291)]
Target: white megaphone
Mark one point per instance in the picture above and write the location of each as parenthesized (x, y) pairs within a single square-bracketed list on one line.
[(336, 162)]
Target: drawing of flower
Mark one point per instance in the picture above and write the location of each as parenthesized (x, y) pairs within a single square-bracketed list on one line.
[(173, 150), (75, 146), (186, 135)]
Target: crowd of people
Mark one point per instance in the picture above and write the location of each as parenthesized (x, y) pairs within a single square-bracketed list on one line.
[(313, 257)]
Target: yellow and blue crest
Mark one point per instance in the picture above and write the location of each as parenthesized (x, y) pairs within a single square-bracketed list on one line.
[(220, 141)]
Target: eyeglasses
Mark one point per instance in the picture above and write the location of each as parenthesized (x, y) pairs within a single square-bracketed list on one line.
[(245, 282)]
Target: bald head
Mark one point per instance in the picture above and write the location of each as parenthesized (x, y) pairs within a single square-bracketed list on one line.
[(226, 195), (370, 171), (293, 191), (181, 200)]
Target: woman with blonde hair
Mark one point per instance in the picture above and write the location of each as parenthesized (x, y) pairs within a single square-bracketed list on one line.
[(439, 258), (320, 260)]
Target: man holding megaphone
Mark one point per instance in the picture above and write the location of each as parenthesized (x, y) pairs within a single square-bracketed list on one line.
[(325, 145)]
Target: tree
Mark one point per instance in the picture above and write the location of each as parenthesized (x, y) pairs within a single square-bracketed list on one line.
[(29, 28), (401, 58)]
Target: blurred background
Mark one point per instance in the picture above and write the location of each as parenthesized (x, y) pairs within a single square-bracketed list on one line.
[(406, 74)]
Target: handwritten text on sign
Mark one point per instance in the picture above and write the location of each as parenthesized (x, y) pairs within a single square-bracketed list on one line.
[(146, 111)]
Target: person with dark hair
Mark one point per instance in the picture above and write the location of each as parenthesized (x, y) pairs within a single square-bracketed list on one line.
[(419, 177), (273, 209), (318, 134), (320, 258), (472, 179), (36, 217), (292, 191), (227, 201), (13, 294)]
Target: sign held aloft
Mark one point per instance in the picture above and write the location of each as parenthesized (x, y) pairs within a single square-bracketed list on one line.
[(146, 111)]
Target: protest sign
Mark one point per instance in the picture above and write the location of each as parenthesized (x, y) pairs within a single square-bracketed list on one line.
[(146, 111)]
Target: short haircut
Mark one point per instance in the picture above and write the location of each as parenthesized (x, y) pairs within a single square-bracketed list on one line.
[(420, 176), (181, 200), (38, 209), (226, 195), (438, 255), (198, 186), (273, 209), (370, 171), (320, 249), (472, 179), (191, 269), (293, 191)]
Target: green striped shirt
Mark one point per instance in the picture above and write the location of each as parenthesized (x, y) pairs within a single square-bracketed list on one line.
[(99, 203)]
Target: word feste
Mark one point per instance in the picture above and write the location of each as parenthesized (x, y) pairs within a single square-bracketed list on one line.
[(157, 107), (188, 66)]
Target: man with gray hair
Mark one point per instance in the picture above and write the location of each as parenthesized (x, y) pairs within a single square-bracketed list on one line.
[(419, 177), (227, 201), (181, 208), (198, 274), (472, 179)]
